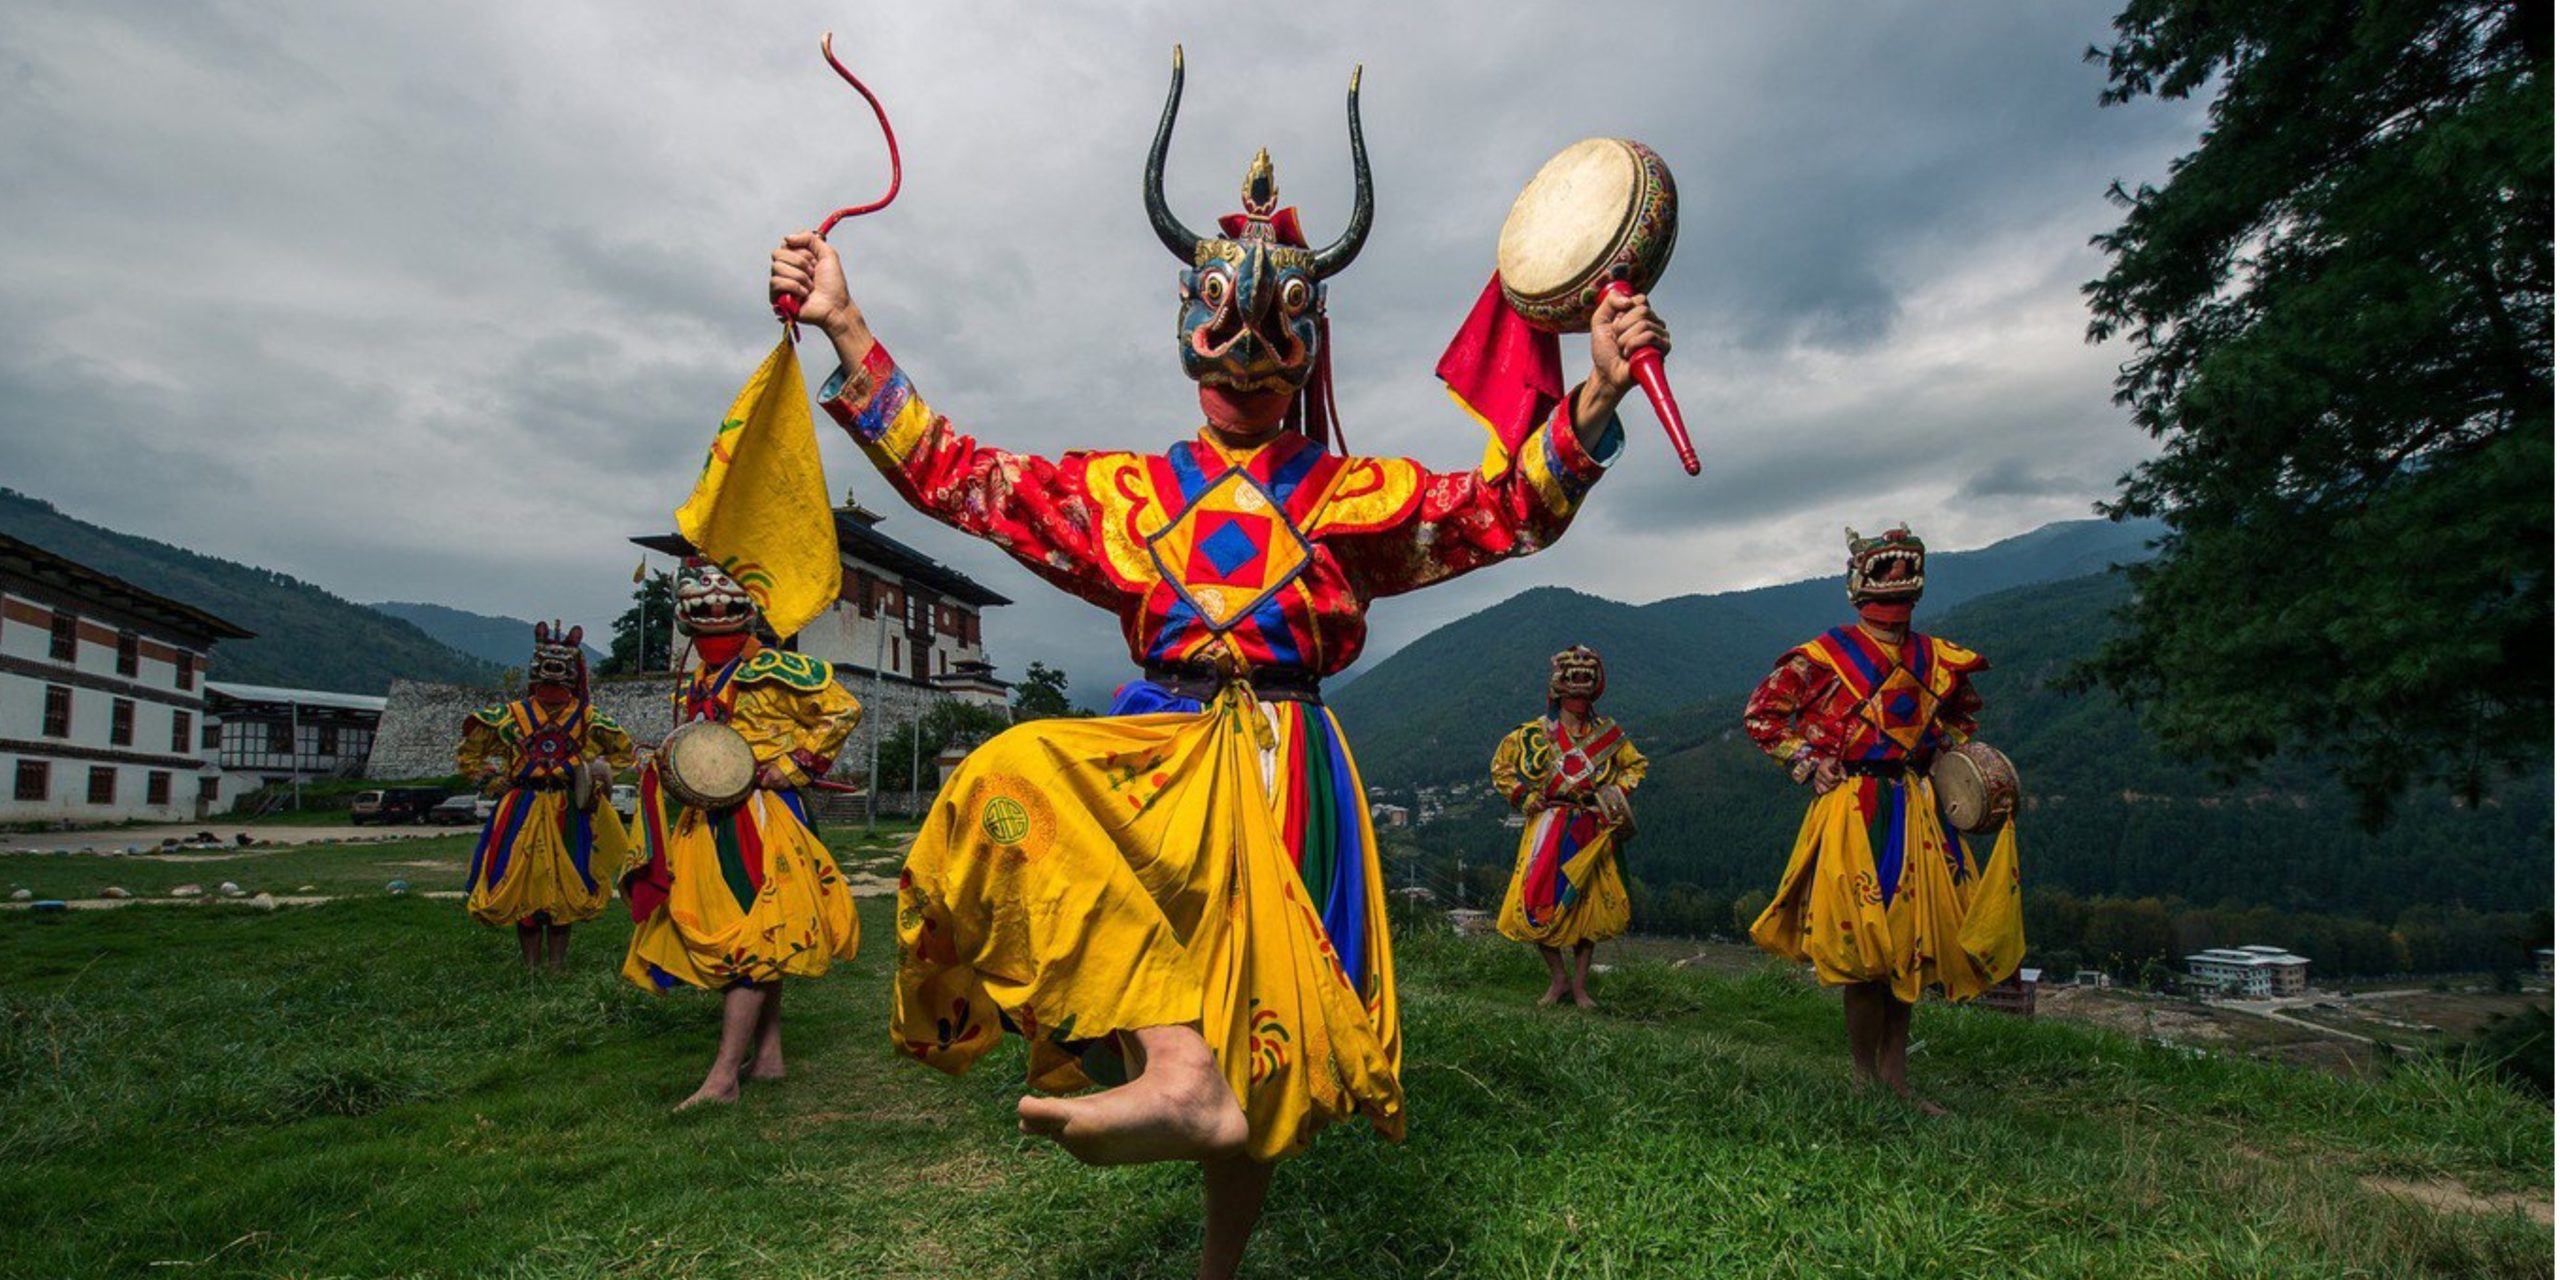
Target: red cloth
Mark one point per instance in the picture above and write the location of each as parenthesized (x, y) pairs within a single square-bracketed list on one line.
[(1504, 370)]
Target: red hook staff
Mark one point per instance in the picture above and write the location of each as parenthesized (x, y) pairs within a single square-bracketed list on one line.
[(788, 305)]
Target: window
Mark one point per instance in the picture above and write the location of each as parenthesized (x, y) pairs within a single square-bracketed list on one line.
[(186, 671), (155, 789), (280, 738), (120, 723), (212, 734), (208, 790), (182, 732), (66, 636), (128, 654), (896, 658), (57, 711), (102, 785), (328, 740), (35, 780)]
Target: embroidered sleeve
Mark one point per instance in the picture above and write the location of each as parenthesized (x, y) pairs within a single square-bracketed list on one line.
[(1627, 766), (482, 747), (1509, 780), (610, 742), (1033, 508), (1771, 716), (797, 732), (1459, 521), (1958, 712)]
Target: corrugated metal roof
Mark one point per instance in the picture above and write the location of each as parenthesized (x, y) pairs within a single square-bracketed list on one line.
[(304, 697)]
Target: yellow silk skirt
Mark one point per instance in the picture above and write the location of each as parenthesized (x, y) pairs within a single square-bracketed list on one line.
[(1573, 858), (1948, 922), (750, 895), (1081, 877), (538, 857)]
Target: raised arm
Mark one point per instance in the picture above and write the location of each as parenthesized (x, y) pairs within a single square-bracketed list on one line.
[(1033, 508)]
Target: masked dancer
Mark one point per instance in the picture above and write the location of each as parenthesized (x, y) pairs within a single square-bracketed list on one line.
[(737, 898), (1569, 772), (1181, 901), (544, 863), (1875, 896)]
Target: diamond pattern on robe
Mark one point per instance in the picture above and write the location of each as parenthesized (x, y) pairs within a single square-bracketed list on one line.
[(1900, 709), (1229, 551)]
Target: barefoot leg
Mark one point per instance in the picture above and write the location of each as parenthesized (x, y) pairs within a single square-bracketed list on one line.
[(556, 940), (1582, 974), (767, 1064), (1177, 1107), (529, 943), (1556, 980), (1892, 1048), (1234, 1188), (739, 1007), (1862, 1006)]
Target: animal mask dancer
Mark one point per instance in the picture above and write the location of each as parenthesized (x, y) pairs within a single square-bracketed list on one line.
[(558, 671), (1576, 679), (1886, 574), (1252, 327)]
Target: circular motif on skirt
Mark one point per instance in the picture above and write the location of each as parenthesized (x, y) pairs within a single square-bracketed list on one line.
[(1013, 813)]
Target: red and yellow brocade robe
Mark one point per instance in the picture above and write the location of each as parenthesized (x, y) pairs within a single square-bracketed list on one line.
[(1875, 891), (1208, 864), (1565, 889), (541, 859)]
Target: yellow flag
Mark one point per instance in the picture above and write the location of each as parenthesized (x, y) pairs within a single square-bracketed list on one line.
[(760, 509)]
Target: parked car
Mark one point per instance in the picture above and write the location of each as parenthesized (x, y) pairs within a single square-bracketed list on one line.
[(626, 799), (394, 804), (458, 811)]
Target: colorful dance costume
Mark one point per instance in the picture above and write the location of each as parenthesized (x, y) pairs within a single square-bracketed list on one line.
[(540, 859), (1203, 855), (1875, 891), (746, 893), (1565, 886)]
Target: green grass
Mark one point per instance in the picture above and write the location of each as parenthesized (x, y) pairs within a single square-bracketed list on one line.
[(371, 1088)]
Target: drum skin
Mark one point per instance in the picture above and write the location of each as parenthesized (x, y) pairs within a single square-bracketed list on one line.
[(707, 765), (1976, 786), (1602, 209), (586, 782)]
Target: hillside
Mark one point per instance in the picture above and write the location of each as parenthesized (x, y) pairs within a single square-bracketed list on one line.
[(401, 1077), (307, 637), (2108, 814), (496, 638), (1432, 711)]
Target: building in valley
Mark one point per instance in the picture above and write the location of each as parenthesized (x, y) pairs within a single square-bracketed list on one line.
[(2253, 972), (103, 715)]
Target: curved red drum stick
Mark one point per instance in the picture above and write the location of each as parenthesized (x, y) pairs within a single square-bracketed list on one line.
[(1646, 362), (787, 306)]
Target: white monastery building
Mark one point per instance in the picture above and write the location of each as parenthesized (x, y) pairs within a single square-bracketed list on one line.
[(102, 696), (2255, 972)]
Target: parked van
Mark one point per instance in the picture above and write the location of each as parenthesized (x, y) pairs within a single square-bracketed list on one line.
[(394, 804)]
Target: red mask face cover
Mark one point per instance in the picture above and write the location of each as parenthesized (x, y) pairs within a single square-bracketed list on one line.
[(720, 649), (1578, 705), (1886, 613)]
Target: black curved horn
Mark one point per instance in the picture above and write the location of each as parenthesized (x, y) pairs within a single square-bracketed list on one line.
[(1169, 229), (1334, 257)]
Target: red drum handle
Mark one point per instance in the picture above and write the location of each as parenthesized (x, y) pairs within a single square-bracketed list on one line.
[(1646, 362), (787, 306)]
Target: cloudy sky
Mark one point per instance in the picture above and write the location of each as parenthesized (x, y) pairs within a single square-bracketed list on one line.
[(439, 302)]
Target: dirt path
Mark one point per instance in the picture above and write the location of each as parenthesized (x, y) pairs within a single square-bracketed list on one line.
[(118, 839)]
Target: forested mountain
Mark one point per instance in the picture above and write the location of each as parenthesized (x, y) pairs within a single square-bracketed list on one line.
[(307, 638), (2107, 813), (486, 636), (1431, 712)]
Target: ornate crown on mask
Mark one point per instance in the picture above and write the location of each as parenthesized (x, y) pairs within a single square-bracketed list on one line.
[(711, 603), (1253, 319), (1889, 567), (559, 656), (1576, 673)]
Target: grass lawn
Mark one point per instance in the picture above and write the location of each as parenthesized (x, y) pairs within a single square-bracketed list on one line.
[(371, 1088)]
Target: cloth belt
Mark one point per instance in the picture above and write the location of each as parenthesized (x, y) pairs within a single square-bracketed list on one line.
[(1271, 684), (1907, 765)]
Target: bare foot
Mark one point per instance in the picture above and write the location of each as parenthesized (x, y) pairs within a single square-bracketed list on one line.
[(767, 1068), (1584, 999), (1916, 1102), (1179, 1108), (1553, 994), (712, 1091)]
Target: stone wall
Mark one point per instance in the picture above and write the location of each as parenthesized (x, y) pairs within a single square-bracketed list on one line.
[(423, 721)]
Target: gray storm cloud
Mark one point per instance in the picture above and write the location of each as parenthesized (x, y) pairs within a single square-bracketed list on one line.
[(440, 302)]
